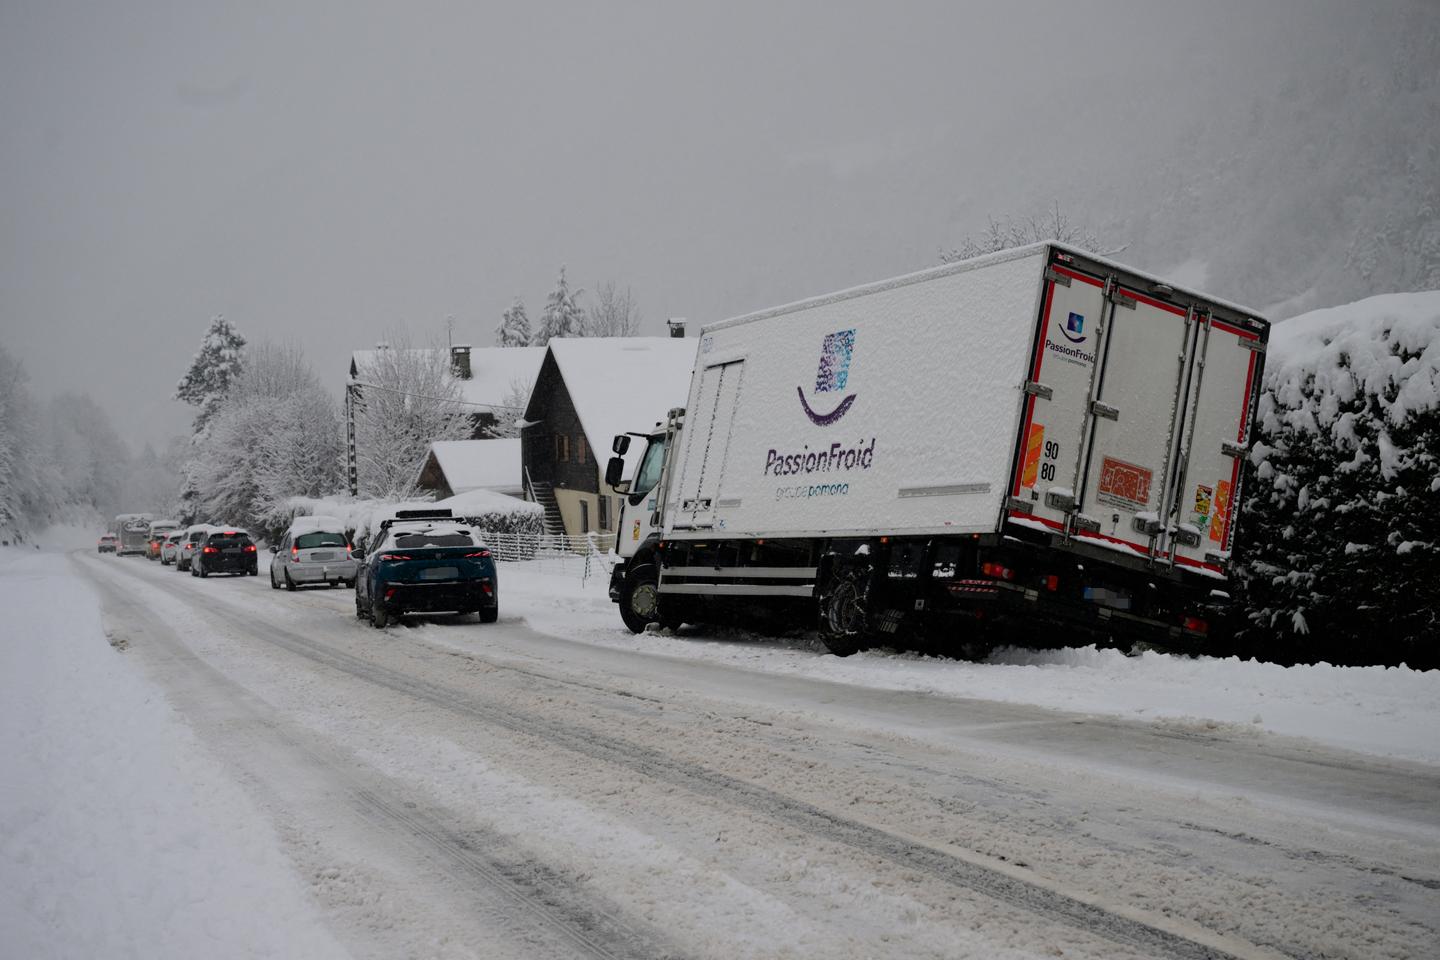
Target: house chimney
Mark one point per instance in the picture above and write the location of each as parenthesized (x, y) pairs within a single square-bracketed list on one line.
[(460, 360), (677, 326)]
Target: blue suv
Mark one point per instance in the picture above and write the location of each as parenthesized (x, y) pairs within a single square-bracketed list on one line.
[(426, 561)]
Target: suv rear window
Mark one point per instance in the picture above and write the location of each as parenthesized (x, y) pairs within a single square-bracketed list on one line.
[(449, 538), (307, 540), (226, 539)]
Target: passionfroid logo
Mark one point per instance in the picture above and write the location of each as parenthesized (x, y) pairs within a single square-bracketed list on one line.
[(834, 373), (1074, 328)]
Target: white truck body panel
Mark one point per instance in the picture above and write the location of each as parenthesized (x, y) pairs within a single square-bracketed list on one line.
[(901, 408), (895, 406)]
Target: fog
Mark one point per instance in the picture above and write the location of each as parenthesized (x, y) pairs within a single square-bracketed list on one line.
[(321, 173)]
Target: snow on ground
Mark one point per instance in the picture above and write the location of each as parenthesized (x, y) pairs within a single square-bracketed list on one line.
[(120, 835), (1380, 710)]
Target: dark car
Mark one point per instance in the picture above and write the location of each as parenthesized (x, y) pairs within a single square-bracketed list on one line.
[(426, 562), (225, 551), (107, 543)]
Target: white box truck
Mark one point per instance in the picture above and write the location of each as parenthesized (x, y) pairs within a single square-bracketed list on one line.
[(1038, 444)]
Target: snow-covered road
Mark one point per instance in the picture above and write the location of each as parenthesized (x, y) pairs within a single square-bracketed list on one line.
[(454, 790)]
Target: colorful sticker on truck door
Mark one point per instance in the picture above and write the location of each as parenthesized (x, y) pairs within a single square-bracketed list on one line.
[(1204, 501), (1124, 485), (1034, 446), (1220, 521)]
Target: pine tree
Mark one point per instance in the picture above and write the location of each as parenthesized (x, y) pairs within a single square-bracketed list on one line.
[(563, 316), (514, 329), (212, 371)]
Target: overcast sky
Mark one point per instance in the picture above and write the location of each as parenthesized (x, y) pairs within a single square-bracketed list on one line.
[(321, 173)]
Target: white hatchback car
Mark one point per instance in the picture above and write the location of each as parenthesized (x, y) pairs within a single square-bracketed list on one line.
[(189, 544), (313, 550)]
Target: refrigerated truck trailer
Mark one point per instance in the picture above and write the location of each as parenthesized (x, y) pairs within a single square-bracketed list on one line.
[(1038, 444)]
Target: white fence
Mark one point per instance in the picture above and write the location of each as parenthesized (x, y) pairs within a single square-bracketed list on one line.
[(584, 557)]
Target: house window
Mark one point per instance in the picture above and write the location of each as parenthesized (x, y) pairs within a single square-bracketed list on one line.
[(562, 448), (604, 512), (584, 516), (580, 448)]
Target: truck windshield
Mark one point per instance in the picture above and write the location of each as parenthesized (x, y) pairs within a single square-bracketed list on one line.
[(649, 473)]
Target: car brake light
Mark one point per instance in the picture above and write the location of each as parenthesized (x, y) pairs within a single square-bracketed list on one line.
[(997, 571), (390, 593), (1196, 625), (478, 553), (487, 587), (394, 556), (250, 548), (1052, 583), (211, 550)]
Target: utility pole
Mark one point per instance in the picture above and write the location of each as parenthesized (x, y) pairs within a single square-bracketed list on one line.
[(352, 468)]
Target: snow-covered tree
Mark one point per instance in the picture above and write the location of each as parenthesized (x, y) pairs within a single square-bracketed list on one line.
[(613, 312), (511, 409), (514, 329), (563, 316), (999, 235), (408, 400), (212, 371), (275, 434), (1341, 534)]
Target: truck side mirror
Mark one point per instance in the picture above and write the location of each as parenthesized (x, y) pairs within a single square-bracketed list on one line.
[(614, 470), (620, 445)]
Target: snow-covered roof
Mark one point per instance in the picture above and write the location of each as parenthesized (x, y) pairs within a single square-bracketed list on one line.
[(320, 524), (475, 503), (478, 464), (493, 370), (624, 383)]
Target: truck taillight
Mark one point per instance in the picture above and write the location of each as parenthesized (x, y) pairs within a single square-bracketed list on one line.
[(997, 571), (1196, 625)]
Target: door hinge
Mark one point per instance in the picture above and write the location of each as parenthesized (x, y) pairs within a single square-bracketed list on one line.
[(1056, 277), (1038, 390), (1104, 410), (1149, 526), (1256, 345), (1186, 538), (1019, 506), (1230, 449), (1120, 298), (1084, 523)]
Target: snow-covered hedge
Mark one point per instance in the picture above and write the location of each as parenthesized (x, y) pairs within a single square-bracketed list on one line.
[(486, 511), (1340, 557)]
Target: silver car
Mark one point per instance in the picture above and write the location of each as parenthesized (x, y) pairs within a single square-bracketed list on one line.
[(170, 549), (313, 550), (189, 544)]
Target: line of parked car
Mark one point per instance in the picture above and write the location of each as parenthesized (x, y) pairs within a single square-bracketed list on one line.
[(421, 561)]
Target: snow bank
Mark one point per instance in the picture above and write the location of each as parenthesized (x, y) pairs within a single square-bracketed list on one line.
[(1379, 710), (120, 835)]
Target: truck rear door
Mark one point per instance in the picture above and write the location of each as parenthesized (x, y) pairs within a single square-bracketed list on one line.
[(1138, 408), (707, 443)]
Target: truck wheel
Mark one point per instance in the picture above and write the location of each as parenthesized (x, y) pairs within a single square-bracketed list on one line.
[(640, 601), (842, 614)]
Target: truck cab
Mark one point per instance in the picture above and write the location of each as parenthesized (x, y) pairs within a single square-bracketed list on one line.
[(637, 472)]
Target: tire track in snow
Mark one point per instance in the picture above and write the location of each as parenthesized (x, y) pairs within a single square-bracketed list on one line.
[(1016, 887), (596, 930)]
